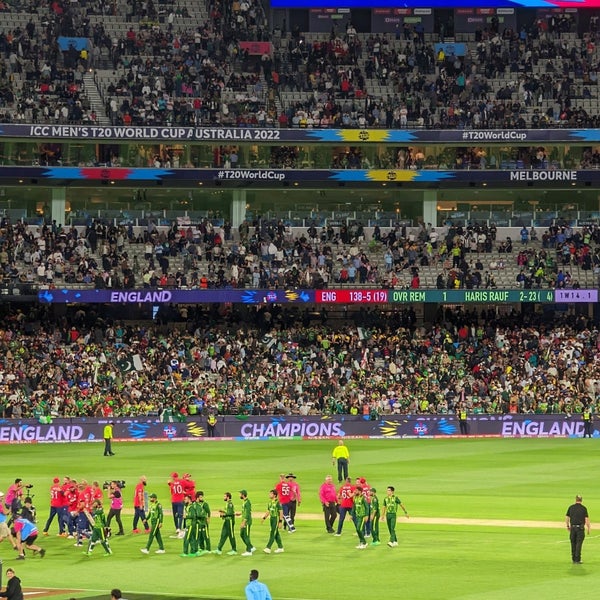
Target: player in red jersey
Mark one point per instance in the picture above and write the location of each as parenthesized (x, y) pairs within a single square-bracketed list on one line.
[(189, 485), (72, 499), (284, 495), (139, 505), (57, 507), (177, 495), (345, 502)]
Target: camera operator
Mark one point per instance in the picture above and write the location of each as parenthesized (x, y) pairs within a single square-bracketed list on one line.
[(116, 505), (13, 500)]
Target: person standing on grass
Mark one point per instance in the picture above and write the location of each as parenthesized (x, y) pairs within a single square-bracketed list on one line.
[(341, 455), (246, 524), (390, 512), (578, 523), (275, 515), (203, 519), (375, 516), (190, 521), (296, 497), (256, 590), (284, 494), (361, 514), (227, 530), (97, 520), (346, 503), (139, 505), (108, 437), (328, 498), (155, 518), (116, 505), (177, 494), (57, 507), (13, 589)]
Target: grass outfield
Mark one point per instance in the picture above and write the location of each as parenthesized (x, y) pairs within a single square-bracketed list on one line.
[(495, 479)]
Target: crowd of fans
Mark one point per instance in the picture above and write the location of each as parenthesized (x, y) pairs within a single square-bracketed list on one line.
[(273, 361), (169, 71), (266, 254)]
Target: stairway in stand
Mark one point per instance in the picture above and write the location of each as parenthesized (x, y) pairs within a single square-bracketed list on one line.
[(96, 102)]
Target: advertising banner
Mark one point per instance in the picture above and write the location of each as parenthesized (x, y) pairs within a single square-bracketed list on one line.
[(281, 427), (326, 296), (108, 133)]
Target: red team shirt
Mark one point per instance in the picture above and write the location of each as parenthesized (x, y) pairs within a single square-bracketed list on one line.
[(346, 496), (284, 492), (57, 496), (177, 491), (138, 496), (189, 486)]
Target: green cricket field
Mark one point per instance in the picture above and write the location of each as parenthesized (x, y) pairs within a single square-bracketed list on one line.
[(486, 520)]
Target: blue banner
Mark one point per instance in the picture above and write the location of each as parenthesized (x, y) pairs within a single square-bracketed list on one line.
[(451, 49), (64, 43)]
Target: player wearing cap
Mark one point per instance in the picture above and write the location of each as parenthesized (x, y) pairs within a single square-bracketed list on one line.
[(57, 507), (227, 530), (275, 516), (345, 503), (246, 524), (155, 518), (177, 494), (390, 511)]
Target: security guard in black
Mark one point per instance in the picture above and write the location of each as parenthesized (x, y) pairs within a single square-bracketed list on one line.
[(578, 523)]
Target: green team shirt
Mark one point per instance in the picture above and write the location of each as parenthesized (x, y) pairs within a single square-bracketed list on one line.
[(247, 511), (229, 511), (274, 508), (375, 505), (391, 504), (99, 519), (360, 507), (203, 512), (190, 514), (155, 513)]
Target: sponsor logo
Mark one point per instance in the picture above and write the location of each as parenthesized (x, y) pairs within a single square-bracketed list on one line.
[(236, 174), (543, 176), (283, 429)]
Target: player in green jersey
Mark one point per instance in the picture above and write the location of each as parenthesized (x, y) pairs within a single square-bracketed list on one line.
[(155, 520), (203, 525), (375, 515), (390, 512), (275, 515), (361, 512), (246, 524), (97, 520), (227, 530), (190, 520)]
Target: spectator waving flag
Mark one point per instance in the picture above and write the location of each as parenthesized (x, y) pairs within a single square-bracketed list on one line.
[(130, 363)]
